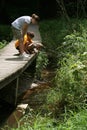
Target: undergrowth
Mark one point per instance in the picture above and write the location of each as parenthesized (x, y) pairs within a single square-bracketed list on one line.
[(77, 121), (41, 63)]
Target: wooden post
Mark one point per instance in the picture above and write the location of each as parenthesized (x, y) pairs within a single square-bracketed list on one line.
[(16, 91)]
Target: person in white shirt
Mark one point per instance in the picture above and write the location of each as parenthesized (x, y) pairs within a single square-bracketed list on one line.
[(20, 27)]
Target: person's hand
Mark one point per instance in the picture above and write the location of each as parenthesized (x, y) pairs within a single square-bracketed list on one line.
[(35, 50)]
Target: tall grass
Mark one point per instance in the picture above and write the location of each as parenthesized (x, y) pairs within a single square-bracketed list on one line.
[(41, 63), (77, 121)]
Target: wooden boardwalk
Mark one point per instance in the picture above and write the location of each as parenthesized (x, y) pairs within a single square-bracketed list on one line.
[(11, 66)]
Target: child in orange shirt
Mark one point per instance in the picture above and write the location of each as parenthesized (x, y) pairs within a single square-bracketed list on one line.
[(28, 43), (29, 46)]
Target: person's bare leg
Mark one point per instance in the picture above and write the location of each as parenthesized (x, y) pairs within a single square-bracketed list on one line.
[(21, 46)]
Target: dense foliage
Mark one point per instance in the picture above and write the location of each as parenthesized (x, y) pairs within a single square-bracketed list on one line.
[(41, 63), (69, 92)]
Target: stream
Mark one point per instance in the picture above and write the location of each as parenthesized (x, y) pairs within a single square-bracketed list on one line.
[(31, 93)]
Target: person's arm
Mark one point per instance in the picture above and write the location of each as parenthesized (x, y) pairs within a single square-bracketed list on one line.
[(24, 28)]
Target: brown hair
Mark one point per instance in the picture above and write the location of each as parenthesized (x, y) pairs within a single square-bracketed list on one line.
[(36, 17), (31, 34)]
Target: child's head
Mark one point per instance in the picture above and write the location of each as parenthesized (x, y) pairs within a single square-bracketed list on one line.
[(35, 18), (30, 34)]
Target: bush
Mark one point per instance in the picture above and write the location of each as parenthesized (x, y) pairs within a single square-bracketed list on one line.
[(71, 82), (74, 43), (70, 89), (71, 77), (41, 63)]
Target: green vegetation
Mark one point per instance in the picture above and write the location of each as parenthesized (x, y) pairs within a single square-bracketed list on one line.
[(41, 63), (52, 34), (77, 121), (71, 77), (3, 43)]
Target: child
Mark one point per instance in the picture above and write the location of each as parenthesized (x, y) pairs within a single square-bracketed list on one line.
[(27, 42), (29, 45), (20, 27)]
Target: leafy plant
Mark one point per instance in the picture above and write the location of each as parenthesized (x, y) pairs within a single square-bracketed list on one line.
[(3, 43), (74, 43), (71, 76), (70, 80), (41, 63)]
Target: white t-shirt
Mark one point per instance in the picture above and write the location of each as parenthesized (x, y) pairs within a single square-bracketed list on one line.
[(18, 23)]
